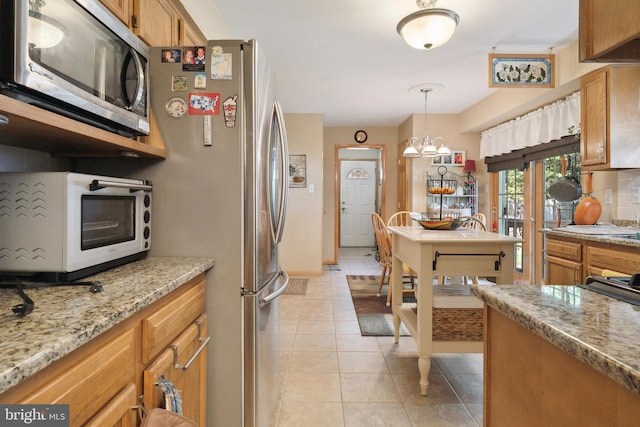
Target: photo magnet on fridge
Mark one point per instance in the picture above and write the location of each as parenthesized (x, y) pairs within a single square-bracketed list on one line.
[(193, 58)]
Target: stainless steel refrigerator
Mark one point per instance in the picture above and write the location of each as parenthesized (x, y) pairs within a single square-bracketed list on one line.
[(222, 192)]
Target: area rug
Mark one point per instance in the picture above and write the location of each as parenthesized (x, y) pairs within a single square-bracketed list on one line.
[(374, 317), (297, 287)]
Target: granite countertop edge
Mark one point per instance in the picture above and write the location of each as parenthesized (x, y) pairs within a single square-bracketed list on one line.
[(58, 326), (601, 361), (616, 240)]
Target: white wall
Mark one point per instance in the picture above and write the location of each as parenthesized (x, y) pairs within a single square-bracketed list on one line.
[(301, 248)]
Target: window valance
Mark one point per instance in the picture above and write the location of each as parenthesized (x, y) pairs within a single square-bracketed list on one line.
[(540, 126)]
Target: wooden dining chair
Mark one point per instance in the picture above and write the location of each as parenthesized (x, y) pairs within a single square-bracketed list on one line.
[(403, 219), (475, 222), (383, 240)]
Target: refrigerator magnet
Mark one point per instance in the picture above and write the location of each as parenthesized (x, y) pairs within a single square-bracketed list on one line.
[(200, 81), (230, 106), (178, 84), (176, 107), (204, 104), (221, 64)]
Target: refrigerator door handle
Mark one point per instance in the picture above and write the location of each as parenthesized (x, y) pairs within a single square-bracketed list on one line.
[(284, 191), (275, 294)]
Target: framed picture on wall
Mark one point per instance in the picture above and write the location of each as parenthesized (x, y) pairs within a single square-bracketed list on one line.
[(456, 158), (297, 171)]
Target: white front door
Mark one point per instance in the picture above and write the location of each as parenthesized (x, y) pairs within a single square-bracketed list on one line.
[(357, 202)]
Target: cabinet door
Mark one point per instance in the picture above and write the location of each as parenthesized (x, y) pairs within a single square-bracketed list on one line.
[(120, 8), (562, 272), (157, 22), (119, 412), (609, 30), (94, 381), (192, 36), (190, 381), (594, 126)]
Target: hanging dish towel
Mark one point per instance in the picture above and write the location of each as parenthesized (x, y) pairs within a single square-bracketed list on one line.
[(172, 399)]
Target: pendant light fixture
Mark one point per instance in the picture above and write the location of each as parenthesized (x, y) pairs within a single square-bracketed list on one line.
[(426, 147), (429, 27)]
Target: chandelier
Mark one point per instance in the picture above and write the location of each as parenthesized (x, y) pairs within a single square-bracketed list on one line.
[(427, 146), (429, 27)]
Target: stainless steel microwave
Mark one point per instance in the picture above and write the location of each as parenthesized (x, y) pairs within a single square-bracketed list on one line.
[(75, 58), (65, 226)]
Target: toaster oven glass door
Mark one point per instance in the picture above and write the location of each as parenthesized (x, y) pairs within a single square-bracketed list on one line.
[(107, 220)]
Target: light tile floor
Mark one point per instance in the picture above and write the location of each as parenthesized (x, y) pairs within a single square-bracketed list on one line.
[(333, 376)]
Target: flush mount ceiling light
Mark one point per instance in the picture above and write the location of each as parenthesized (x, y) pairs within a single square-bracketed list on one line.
[(426, 147), (429, 27)]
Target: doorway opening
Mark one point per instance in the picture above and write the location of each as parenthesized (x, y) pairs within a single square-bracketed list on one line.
[(359, 191)]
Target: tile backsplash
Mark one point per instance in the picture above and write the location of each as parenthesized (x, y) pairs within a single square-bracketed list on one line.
[(629, 194)]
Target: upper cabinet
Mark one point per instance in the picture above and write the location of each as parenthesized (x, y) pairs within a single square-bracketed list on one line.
[(120, 8), (158, 22), (609, 31), (610, 118)]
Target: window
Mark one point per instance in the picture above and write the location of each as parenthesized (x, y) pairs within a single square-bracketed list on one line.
[(511, 208)]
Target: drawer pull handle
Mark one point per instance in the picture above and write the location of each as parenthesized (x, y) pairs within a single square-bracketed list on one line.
[(205, 342)]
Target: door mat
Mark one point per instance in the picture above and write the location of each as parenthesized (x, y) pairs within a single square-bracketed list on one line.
[(331, 267), (297, 287), (374, 317)]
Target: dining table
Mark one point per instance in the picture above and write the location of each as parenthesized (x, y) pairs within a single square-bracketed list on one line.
[(444, 253)]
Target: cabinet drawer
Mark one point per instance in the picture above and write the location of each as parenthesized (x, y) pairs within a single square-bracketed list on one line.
[(567, 250), (612, 259), (165, 323), (120, 411), (190, 382), (106, 369)]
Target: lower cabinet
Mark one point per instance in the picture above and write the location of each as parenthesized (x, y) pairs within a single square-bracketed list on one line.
[(104, 380), (571, 261), (183, 363), (563, 262)]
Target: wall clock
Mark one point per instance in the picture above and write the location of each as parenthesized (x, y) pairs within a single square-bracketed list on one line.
[(360, 136)]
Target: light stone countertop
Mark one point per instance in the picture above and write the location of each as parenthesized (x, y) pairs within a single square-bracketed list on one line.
[(616, 240), (602, 332), (66, 317)]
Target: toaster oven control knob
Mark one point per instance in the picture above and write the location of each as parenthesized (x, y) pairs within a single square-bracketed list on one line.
[(147, 217), (147, 232), (147, 200)]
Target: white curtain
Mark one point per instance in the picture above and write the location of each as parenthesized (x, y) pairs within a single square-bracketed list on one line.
[(543, 125)]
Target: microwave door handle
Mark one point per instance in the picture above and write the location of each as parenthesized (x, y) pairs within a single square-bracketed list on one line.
[(139, 81), (98, 184)]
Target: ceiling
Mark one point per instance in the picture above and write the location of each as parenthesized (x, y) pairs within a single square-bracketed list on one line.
[(344, 58)]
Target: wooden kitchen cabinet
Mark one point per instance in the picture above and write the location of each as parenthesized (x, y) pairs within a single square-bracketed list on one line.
[(608, 257), (563, 262), (102, 380), (157, 22), (120, 8), (189, 376), (609, 31), (610, 129)]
